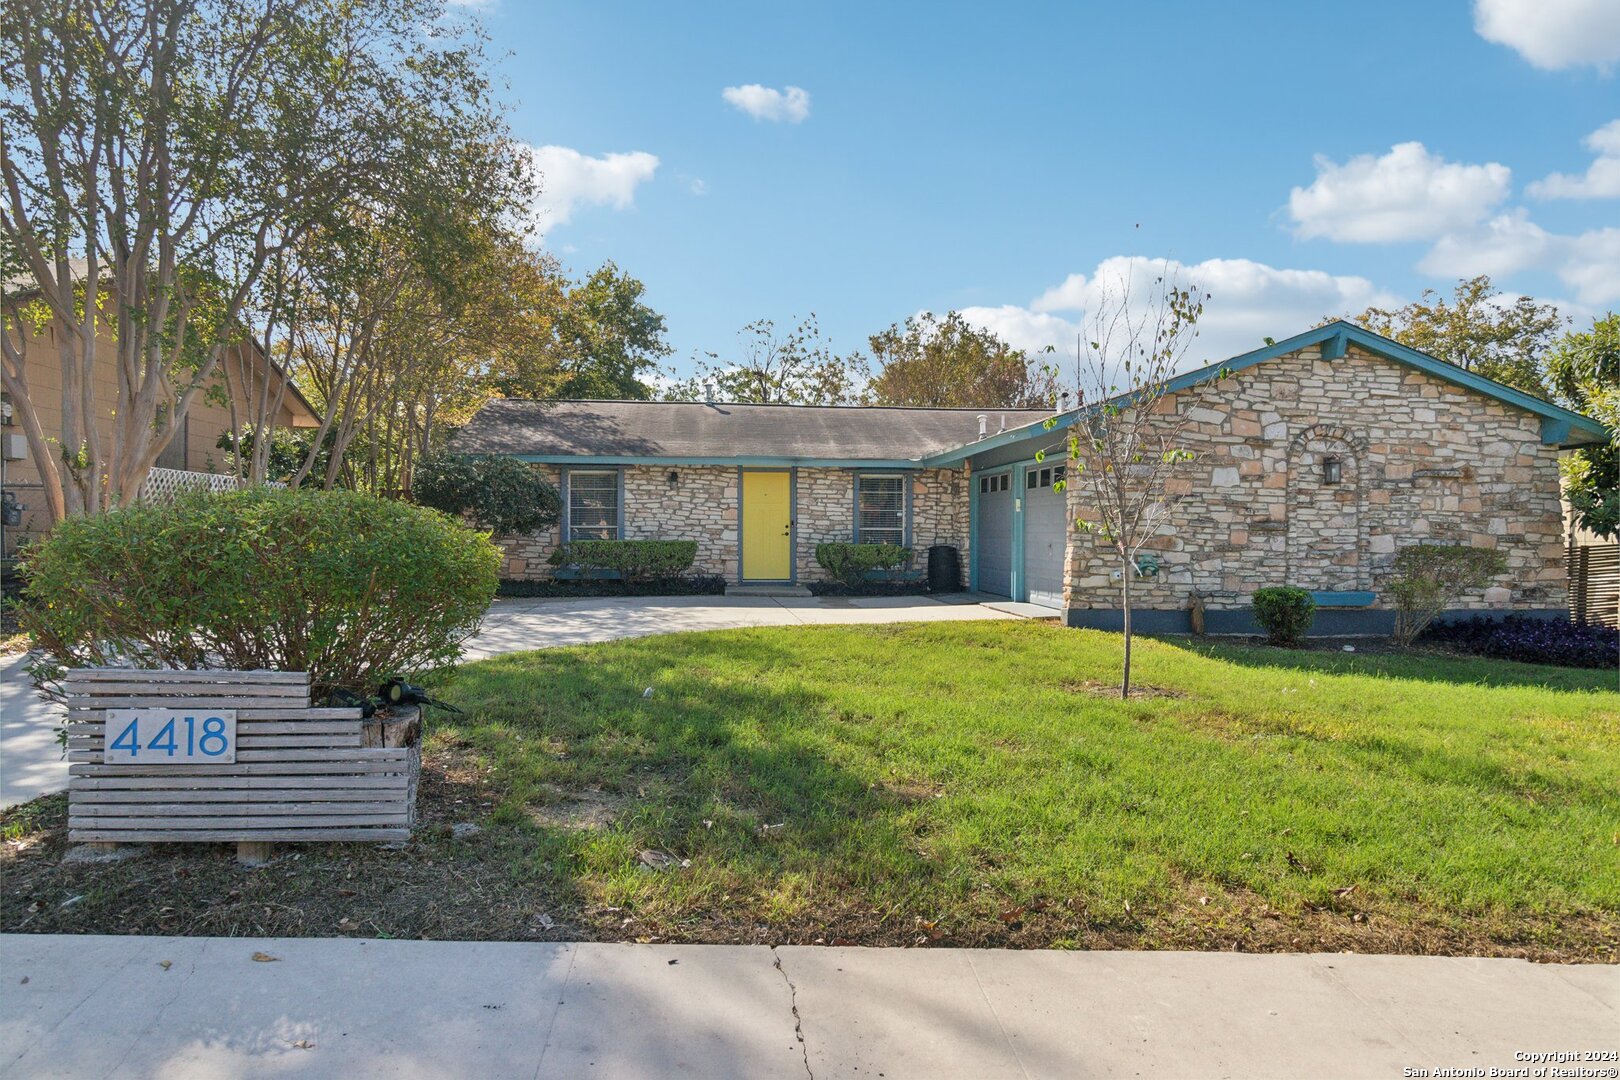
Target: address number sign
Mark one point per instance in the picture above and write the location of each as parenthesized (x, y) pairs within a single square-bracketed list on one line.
[(170, 737)]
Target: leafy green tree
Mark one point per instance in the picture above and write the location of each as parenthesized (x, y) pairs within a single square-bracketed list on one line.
[(609, 338), (496, 491), (157, 157), (1584, 371), (946, 363), (1479, 330), (795, 368)]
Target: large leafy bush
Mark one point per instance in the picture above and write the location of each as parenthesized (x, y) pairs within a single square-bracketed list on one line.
[(1532, 641), (349, 587), (635, 561), (1284, 612), (1429, 578), (851, 563), (495, 492)]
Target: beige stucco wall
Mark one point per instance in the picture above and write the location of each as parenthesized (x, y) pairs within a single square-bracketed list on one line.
[(702, 505), (207, 419), (1424, 461)]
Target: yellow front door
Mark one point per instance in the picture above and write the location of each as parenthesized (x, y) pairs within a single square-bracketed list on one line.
[(767, 526)]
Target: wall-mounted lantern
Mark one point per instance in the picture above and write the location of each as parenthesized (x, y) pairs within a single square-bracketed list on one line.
[(1332, 470), (674, 478)]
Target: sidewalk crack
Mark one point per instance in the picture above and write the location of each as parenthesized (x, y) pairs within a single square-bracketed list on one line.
[(793, 1001)]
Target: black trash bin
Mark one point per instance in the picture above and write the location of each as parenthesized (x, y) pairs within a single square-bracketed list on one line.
[(944, 569)]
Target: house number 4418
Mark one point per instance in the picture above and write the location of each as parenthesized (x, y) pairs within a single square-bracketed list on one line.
[(152, 737)]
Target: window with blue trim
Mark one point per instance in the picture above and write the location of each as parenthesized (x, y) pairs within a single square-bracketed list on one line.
[(880, 503), (593, 506)]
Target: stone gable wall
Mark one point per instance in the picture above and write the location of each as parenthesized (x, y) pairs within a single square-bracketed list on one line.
[(1422, 460)]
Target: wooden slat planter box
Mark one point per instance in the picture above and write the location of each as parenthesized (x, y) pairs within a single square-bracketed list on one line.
[(301, 773)]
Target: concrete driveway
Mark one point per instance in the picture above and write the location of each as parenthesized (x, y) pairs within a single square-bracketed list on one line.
[(325, 1007), (514, 625), (31, 762)]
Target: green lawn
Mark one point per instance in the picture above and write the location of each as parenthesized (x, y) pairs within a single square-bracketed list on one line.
[(966, 783)]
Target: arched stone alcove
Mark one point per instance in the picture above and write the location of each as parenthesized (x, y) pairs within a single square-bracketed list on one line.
[(1326, 545)]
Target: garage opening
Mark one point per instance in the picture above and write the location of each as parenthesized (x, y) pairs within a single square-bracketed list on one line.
[(1046, 534)]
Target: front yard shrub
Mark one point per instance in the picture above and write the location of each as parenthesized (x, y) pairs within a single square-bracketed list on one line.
[(1532, 641), (1284, 612), (349, 587), (850, 563), (635, 561), (495, 492), (1429, 578)]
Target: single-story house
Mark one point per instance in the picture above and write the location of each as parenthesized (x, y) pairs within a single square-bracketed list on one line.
[(1316, 459)]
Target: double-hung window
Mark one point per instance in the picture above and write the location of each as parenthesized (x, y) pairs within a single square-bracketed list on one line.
[(593, 506), (880, 507)]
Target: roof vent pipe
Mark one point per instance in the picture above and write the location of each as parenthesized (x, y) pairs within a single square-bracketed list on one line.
[(1003, 426), (984, 426), (708, 392), (1063, 402)]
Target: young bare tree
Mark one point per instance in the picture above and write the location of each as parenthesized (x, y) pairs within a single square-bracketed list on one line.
[(794, 368), (155, 158), (1128, 438)]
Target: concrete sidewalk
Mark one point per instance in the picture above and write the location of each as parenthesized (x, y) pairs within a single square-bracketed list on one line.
[(204, 1008)]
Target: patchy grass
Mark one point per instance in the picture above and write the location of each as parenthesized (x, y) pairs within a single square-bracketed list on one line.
[(957, 784)]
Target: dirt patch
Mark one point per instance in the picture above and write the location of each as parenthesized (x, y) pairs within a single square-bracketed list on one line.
[(591, 810), (1111, 690)]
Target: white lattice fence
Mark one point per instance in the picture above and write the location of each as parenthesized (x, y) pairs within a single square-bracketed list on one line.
[(163, 484)]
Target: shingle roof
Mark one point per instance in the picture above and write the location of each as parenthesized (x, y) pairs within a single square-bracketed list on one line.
[(692, 431)]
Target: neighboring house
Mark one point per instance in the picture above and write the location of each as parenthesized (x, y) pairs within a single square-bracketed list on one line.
[(1421, 451), (195, 449)]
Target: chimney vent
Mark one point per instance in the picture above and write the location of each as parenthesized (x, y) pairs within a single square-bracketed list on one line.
[(984, 426), (1063, 402), (708, 392)]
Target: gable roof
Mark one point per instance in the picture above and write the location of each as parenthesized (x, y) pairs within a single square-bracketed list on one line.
[(696, 433), (1559, 426)]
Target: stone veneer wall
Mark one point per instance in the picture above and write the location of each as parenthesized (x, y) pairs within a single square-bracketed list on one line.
[(1423, 460), (702, 506)]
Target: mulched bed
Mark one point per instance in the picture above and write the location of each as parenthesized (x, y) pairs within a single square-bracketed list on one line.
[(496, 884)]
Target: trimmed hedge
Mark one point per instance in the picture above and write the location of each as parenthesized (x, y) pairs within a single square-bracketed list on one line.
[(351, 588), (635, 561), (850, 563), (697, 585), (1284, 612)]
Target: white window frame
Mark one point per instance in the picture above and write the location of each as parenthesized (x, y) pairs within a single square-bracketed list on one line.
[(617, 477), (903, 528)]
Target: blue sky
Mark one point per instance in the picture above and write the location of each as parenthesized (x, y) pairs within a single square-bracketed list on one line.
[(1297, 160)]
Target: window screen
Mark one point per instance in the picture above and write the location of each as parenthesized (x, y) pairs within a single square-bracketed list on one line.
[(593, 506), (882, 508), (174, 455)]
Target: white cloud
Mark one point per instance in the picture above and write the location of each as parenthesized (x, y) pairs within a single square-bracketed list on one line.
[(1407, 194), (1591, 264), (698, 187), (1553, 34), (1249, 301), (569, 179), (1602, 178), (791, 104), (1503, 245)]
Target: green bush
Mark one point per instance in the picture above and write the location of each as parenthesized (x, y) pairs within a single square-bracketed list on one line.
[(635, 561), (495, 492), (1428, 578), (850, 563), (348, 587), (1284, 613)]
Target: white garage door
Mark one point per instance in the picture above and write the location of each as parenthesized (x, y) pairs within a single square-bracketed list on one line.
[(995, 534), (1046, 533)]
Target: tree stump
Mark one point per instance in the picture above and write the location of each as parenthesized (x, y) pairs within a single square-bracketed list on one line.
[(398, 727)]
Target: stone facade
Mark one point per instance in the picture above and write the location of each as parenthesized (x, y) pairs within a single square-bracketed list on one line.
[(702, 504), (1419, 460)]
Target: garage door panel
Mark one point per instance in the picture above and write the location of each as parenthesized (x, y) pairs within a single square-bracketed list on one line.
[(1046, 534), (994, 536)]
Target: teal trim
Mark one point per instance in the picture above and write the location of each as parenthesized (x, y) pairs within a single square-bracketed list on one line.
[(1020, 471), (1344, 599), (973, 531), (748, 462), (1568, 429)]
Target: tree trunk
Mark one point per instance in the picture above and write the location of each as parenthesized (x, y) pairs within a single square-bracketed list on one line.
[(1125, 609)]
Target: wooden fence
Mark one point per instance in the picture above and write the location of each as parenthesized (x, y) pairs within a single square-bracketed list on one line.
[(300, 774), (1594, 583)]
